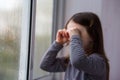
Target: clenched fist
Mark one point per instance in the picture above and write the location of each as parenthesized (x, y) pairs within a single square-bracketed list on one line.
[(62, 36), (74, 31)]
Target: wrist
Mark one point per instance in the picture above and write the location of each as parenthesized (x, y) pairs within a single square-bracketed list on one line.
[(59, 42)]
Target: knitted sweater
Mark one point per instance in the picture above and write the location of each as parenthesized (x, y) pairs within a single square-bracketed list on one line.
[(80, 66)]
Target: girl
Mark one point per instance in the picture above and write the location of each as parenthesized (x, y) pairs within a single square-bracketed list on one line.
[(86, 59)]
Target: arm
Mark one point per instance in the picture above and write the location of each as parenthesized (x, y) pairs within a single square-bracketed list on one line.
[(92, 64), (50, 63)]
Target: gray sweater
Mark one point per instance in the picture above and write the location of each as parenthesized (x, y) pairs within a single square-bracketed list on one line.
[(80, 66)]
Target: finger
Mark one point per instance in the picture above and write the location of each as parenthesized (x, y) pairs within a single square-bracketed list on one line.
[(64, 33), (59, 34), (67, 34)]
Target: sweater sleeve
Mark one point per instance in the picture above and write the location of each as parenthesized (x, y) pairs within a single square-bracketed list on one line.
[(49, 61), (93, 64)]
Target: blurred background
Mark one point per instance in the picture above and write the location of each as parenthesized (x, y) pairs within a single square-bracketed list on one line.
[(28, 27)]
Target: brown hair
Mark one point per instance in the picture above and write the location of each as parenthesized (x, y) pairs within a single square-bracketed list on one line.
[(93, 26)]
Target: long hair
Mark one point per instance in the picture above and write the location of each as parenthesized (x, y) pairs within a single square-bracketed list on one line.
[(93, 26)]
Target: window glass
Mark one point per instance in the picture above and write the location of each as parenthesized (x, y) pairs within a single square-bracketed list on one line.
[(43, 32), (11, 30)]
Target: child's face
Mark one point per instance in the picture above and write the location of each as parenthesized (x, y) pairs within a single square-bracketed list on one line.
[(84, 34)]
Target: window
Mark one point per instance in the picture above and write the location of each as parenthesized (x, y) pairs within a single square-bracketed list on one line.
[(43, 33), (26, 32), (14, 29)]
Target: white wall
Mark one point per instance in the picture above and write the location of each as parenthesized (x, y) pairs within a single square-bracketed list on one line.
[(74, 6), (109, 13), (111, 28)]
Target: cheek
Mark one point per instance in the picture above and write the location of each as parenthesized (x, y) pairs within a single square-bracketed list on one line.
[(85, 38), (83, 34)]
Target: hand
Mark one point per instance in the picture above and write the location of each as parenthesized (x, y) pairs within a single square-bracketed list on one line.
[(74, 31), (62, 36)]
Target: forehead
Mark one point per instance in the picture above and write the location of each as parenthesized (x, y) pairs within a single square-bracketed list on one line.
[(72, 24)]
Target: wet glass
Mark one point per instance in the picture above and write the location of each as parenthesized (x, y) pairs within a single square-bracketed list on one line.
[(43, 33), (11, 30)]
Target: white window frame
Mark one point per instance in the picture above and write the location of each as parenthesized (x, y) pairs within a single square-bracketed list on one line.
[(25, 34)]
